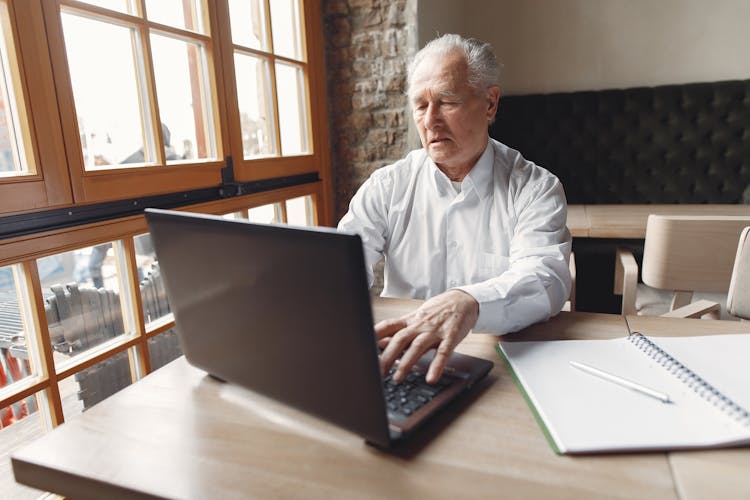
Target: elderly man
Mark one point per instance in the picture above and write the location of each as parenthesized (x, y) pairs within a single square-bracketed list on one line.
[(465, 222)]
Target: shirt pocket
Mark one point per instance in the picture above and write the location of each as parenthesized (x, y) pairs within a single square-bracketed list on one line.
[(491, 265)]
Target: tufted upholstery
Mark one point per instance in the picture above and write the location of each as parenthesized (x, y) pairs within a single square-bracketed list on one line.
[(685, 143), (670, 144)]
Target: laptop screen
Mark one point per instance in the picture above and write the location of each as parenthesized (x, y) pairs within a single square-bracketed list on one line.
[(280, 310)]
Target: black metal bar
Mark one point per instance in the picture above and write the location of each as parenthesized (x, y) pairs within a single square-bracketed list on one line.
[(48, 220)]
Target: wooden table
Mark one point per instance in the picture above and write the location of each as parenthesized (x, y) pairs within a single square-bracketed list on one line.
[(180, 434), (629, 221)]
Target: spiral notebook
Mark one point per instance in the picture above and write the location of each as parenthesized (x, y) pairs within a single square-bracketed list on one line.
[(707, 379)]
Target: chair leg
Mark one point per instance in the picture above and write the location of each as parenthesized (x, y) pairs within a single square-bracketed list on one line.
[(711, 315), (626, 279), (680, 299)]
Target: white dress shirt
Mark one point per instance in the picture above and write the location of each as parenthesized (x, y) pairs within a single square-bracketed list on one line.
[(502, 238)]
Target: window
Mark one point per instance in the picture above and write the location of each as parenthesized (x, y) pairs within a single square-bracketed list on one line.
[(111, 100), (154, 95), (33, 173), (142, 96), (14, 144), (262, 76), (273, 79)]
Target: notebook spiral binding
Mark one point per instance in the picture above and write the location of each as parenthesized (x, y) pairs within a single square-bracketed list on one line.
[(691, 379)]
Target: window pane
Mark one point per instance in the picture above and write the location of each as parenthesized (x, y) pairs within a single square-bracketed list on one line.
[(248, 21), (82, 299), (15, 363), (266, 214), (290, 85), (285, 27), (107, 91), (92, 385), (299, 211), (163, 348), (13, 159), (184, 105), (184, 14), (15, 433), (127, 6), (253, 96), (153, 294), (234, 216)]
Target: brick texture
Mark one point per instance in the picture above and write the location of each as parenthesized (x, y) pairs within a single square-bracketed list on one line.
[(368, 46)]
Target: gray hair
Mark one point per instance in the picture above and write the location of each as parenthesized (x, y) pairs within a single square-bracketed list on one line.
[(483, 68)]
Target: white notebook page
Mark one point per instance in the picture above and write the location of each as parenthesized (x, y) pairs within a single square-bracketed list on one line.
[(584, 413)]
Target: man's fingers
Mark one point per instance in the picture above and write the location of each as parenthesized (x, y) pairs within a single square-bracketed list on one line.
[(395, 347), (438, 363), (421, 344), (388, 327), (383, 343)]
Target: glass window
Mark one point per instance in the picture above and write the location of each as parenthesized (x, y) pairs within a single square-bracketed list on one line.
[(248, 23), (163, 348), (92, 385), (125, 6), (290, 83), (151, 284), (266, 214), (299, 211), (255, 105), (19, 425), (13, 158), (260, 101), (15, 358), (184, 104), (235, 215), (108, 90), (183, 14), (81, 289), (285, 26)]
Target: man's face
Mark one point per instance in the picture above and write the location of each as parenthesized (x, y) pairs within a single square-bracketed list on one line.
[(451, 116)]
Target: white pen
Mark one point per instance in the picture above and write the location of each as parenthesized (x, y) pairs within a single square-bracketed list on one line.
[(664, 398)]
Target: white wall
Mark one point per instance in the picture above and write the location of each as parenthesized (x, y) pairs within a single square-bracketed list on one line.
[(438, 17), (563, 45)]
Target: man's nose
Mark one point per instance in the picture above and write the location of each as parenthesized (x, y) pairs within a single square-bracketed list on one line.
[(432, 115)]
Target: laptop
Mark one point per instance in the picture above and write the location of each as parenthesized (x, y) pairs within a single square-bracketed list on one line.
[(285, 312)]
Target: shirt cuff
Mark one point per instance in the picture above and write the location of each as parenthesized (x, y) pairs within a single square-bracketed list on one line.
[(500, 314)]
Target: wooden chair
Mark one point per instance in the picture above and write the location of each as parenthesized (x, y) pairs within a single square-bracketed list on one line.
[(683, 254), (738, 297)]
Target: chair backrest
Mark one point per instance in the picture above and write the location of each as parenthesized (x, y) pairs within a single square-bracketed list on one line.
[(691, 253), (738, 298)]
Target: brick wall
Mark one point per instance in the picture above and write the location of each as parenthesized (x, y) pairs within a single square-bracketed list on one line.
[(368, 45)]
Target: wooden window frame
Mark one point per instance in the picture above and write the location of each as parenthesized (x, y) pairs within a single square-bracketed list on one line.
[(60, 181), (49, 185), (26, 250), (313, 65), (112, 184)]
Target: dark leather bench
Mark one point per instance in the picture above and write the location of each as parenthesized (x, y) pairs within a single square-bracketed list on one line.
[(687, 143)]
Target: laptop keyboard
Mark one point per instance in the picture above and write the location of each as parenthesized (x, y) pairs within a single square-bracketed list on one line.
[(405, 397)]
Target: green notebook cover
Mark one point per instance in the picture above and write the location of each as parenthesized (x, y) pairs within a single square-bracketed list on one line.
[(538, 417)]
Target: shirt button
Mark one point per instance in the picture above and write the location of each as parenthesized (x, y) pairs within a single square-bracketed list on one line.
[(453, 244)]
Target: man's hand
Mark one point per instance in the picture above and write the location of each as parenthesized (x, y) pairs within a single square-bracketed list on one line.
[(442, 321)]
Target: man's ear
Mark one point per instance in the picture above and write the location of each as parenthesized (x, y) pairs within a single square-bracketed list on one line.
[(493, 97)]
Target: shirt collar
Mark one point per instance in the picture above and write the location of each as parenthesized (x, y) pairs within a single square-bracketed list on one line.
[(478, 179)]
